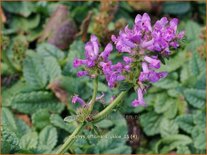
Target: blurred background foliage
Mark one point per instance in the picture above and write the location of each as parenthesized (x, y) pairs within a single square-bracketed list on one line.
[(39, 42)]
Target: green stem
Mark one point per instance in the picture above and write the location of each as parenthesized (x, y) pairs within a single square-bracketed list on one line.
[(95, 89), (70, 139), (100, 116)]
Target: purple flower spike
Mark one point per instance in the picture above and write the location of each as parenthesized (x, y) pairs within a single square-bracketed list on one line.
[(105, 54), (155, 63), (82, 73), (76, 99)]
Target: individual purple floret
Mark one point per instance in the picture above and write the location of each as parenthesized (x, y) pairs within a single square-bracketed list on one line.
[(139, 100), (76, 99)]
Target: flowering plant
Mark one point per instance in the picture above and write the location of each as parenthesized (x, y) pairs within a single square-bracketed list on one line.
[(143, 49)]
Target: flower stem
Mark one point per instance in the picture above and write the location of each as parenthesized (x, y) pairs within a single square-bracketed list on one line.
[(100, 116), (70, 139), (95, 89)]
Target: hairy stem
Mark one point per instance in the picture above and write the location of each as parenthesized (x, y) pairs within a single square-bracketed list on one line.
[(95, 89), (100, 116), (70, 139)]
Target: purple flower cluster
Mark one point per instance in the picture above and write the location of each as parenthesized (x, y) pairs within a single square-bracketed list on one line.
[(143, 36), (142, 44)]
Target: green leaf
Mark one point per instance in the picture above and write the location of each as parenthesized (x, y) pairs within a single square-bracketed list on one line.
[(192, 30), (195, 97), (199, 137), (171, 142), (57, 121), (174, 62), (151, 123), (8, 119), (25, 24), (162, 103), (22, 8), (183, 150), (9, 137), (185, 122), (166, 83), (176, 8), (29, 141), (196, 64), (48, 50), (7, 94), (30, 102), (76, 51), (105, 123), (22, 127), (199, 118), (52, 68), (34, 72), (41, 118), (48, 137), (101, 86), (168, 127)]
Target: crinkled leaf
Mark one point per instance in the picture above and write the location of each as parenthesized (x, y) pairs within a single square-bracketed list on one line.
[(48, 137), (171, 142), (185, 122), (176, 8), (52, 68), (41, 118), (57, 121), (34, 72), (195, 97), (29, 141), (151, 123), (168, 127), (48, 50), (30, 102)]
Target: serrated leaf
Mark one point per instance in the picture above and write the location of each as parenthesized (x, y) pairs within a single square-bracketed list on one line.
[(151, 123), (22, 127), (8, 119), (162, 103), (105, 124), (174, 62), (52, 68), (41, 118), (195, 97), (193, 30), (21, 8), (183, 150), (167, 83), (199, 118), (48, 50), (25, 24), (168, 127), (30, 102), (48, 137), (29, 141), (34, 72), (199, 137), (57, 121), (185, 122), (171, 142), (196, 64), (10, 138), (176, 8)]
